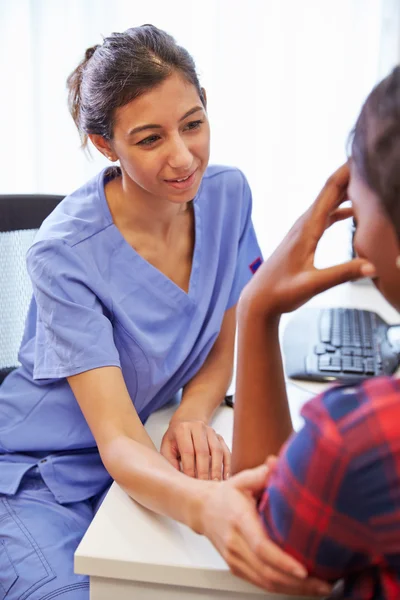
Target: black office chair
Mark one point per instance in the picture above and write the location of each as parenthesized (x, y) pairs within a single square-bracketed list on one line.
[(20, 218)]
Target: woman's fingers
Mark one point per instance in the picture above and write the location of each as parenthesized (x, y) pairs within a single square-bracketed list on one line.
[(184, 442), (201, 450), (274, 582), (227, 458), (271, 462), (250, 527), (246, 571), (233, 525), (268, 552), (170, 454), (220, 456), (264, 569), (243, 562)]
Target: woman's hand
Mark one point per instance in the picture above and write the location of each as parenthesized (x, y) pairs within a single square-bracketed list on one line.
[(229, 518), (196, 447), (288, 278)]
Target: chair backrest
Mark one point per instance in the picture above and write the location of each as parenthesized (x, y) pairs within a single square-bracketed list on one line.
[(20, 218)]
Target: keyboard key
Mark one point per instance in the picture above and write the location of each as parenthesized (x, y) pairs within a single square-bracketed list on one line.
[(353, 369), (330, 348), (325, 326), (320, 349), (325, 335), (330, 368), (367, 328), (324, 360), (329, 363), (347, 362), (368, 353), (370, 366)]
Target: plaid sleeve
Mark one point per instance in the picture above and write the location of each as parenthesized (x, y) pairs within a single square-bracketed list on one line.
[(311, 507)]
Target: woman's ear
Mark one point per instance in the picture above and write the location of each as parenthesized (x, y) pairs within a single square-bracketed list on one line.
[(203, 91), (103, 146)]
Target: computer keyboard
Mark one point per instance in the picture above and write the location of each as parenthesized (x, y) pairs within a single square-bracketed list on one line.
[(338, 344)]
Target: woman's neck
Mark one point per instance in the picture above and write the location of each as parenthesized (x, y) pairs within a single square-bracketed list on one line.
[(134, 209)]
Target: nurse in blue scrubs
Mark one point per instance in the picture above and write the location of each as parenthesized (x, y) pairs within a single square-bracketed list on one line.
[(135, 277)]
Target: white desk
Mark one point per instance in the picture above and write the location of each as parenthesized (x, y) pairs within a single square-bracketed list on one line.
[(131, 553)]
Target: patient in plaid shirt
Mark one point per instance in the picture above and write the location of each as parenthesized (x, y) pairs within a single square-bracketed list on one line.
[(333, 501), (333, 497)]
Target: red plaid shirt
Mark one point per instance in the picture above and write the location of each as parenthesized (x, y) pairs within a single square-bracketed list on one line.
[(334, 501)]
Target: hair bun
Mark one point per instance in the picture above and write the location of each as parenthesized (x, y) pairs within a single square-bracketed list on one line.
[(90, 51)]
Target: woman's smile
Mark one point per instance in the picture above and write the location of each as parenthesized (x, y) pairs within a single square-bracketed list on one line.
[(183, 183)]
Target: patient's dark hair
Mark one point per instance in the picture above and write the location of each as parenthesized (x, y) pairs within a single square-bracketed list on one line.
[(375, 146), (121, 69)]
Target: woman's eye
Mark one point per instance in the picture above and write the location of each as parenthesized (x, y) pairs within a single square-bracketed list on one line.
[(151, 139), (194, 124)]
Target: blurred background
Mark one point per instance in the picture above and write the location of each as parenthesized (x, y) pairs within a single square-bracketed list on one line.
[(285, 81)]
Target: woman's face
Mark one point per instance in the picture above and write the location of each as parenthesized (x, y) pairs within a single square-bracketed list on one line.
[(162, 140), (375, 238)]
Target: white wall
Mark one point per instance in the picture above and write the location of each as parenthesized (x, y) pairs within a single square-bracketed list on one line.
[(285, 81)]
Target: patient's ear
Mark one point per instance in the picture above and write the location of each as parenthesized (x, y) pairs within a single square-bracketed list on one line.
[(103, 146)]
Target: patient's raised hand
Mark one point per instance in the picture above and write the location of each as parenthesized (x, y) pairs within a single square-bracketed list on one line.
[(288, 278)]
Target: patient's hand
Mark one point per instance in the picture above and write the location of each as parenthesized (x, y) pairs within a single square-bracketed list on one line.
[(229, 518), (289, 278)]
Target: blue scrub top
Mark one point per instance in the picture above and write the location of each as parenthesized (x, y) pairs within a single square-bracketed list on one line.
[(97, 303)]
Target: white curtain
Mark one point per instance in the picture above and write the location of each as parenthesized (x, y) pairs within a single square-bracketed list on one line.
[(285, 80)]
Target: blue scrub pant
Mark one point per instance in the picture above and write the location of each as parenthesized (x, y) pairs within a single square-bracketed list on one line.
[(38, 538)]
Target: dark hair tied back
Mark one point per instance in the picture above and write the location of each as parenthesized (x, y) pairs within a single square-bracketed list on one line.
[(74, 82), (124, 67), (90, 51)]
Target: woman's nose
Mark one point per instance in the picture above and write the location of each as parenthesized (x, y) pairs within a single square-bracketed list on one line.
[(180, 157)]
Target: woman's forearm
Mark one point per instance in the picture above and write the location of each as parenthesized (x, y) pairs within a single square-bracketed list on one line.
[(150, 480), (127, 450), (205, 392), (262, 418)]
